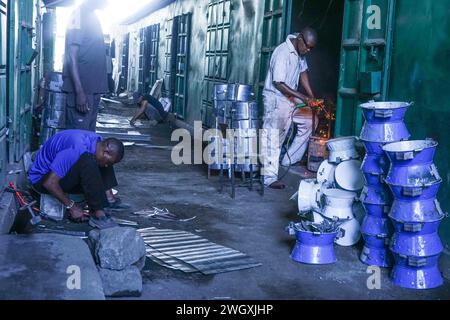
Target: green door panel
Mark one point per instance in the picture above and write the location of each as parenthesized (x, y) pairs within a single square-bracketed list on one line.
[(365, 60)]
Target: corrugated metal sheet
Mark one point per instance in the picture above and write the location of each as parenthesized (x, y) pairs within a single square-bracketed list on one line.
[(189, 252)]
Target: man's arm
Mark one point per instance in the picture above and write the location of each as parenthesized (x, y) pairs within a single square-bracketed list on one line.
[(289, 92), (140, 111), (51, 183), (304, 80), (82, 104)]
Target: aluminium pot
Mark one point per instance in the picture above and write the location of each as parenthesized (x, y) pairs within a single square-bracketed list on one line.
[(348, 175), (416, 273), (375, 256), (244, 111), (428, 210), (342, 149), (384, 132), (349, 233), (389, 111), (338, 204), (375, 164), (313, 247), (221, 92), (309, 195), (240, 92)]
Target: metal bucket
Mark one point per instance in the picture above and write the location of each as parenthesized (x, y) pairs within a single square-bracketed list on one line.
[(416, 273), (309, 195), (220, 92), (376, 256), (412, 193), (214, 154), (342, 149), (244, 111), (317, 153), (337, 204), (428, 210), (377, 226), (411, 153), (373, 180), (416, 239), (348, 175), (377, 195), (54, 115), (313, 247), (384, 132), (377, 112), (349, 233), (374, 148), (325, 173), (375, 164), (246, 124), (240, 92), (222, 111)]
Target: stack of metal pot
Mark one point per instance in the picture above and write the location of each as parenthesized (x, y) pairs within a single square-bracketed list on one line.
[(234, 108), (415, 214), (384, 124), (331, 199), (54, 114)]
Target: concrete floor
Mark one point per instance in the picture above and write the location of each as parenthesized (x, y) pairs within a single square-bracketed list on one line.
[(250, 223)]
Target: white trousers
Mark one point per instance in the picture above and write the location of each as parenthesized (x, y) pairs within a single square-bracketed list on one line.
[(277, 122)]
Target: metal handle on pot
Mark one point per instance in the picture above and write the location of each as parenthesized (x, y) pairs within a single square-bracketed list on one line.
[(413, 227), (439, 209), (434, 172), (340, 234), (405, 155), (412, 192), (384, 113), (417, 262), (290, 229)]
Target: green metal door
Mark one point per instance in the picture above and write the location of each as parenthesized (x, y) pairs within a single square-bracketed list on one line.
[(3, 62), (182, 65), (170, 59), (141, 60), (217, 54), (23, 114), (276, 26), (151, 57), (365, 60), (123, 80)]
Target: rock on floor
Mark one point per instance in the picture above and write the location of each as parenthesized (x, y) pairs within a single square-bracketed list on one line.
[(124, 283), (118, 248)]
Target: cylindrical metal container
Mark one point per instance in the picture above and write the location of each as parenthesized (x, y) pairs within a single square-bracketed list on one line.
[(317, 153), (244, 111), (240, 92), (220, 92), (313, 247)]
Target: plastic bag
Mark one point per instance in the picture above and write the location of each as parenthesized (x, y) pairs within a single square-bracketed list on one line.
[(166, 104)]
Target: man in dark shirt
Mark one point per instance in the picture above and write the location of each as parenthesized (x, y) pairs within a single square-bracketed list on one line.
[(78, 162), (84, 71), (149, 106)]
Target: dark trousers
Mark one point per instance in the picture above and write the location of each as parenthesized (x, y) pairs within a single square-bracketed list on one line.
[(82, 121), (86, 177)]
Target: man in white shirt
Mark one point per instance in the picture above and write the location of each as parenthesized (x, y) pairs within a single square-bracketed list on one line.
[(288, 68)]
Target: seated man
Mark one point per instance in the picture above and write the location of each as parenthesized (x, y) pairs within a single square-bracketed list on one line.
[(78, 162), (149, 106)]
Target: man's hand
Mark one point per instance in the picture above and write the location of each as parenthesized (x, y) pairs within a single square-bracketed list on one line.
[(77, 214), (82, 103)]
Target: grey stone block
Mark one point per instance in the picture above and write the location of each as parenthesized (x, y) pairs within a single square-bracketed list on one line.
[(118, 248), (141, 263), (123, 283)]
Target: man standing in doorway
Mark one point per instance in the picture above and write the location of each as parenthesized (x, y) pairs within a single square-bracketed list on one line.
[(288, 68), (85, 70)]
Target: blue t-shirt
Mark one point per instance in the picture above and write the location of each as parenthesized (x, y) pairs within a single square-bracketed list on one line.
[(61, 152)]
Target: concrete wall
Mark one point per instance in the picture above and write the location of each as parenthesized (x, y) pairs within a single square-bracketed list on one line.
[(245, 44)]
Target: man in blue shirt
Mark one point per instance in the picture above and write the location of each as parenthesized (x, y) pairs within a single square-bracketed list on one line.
[(78, 161)]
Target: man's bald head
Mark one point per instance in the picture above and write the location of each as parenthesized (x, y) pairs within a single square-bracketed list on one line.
[(310, 36)]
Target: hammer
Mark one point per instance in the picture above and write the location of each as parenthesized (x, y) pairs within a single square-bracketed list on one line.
[(35, 219)]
